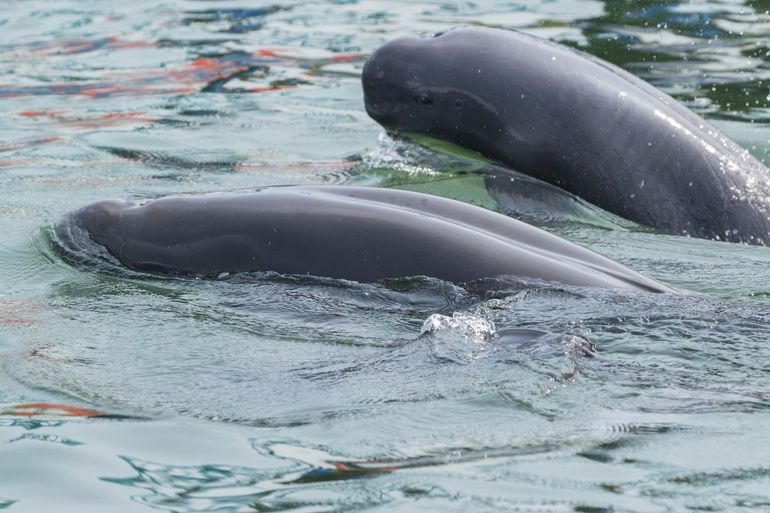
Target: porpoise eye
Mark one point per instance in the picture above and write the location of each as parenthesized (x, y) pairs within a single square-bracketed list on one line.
[(423, 100), (458, 103)]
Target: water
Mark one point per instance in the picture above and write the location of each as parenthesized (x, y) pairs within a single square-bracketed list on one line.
[(127, 392)]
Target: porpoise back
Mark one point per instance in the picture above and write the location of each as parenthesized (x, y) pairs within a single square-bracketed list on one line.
[(355, 233)]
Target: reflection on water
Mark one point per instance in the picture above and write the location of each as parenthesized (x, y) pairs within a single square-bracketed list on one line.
[(235, 20), (713, 56), (127, 392)]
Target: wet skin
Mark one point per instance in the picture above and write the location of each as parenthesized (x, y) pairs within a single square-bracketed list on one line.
[(355, 233), (574, 121)]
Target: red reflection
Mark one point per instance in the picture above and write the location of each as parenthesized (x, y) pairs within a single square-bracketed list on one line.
[(37, 409)]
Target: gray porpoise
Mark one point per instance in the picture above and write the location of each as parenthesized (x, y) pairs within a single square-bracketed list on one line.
[(355, 233), (574, 121)]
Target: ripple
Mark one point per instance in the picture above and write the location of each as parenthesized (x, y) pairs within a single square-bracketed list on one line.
[(31, 264), (212, 487), (288, 393), (233, 20)]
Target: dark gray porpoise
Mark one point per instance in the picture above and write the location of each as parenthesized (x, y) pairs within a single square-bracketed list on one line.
[(355, 233), (576, 122)]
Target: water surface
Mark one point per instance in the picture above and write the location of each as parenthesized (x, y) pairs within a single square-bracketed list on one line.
[(128, 392)]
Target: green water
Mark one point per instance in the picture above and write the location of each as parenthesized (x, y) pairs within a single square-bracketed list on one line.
[(313, 395)]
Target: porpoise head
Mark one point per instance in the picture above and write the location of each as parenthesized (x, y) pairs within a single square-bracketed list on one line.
[(198, 235), (434, 85), (99, 221)]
